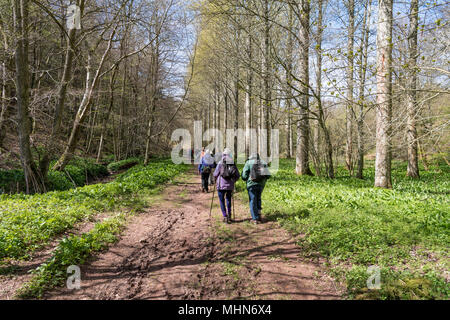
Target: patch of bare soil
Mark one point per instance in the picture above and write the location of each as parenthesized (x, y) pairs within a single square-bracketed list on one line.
[(174, 250)]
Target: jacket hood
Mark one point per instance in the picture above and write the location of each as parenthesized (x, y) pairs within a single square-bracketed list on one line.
[(226, 158)]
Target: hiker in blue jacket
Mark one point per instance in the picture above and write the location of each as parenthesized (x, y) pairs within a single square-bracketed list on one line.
[(205, 168), (226, 175)]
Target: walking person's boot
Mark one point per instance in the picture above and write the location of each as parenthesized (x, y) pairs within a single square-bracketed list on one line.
[(260, 220)]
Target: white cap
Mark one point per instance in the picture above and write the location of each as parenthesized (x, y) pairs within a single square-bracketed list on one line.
[(227, 151)]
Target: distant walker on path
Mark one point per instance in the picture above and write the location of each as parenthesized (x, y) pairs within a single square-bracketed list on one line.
[(205, 168)]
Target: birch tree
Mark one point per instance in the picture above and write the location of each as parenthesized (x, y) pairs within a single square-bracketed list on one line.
[(384, 95)]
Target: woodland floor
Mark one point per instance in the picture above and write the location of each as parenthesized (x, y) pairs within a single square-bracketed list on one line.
[(175, 250)]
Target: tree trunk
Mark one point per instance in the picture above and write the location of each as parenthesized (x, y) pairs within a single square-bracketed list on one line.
[(267, 77), (154, 87), (350, 67), (289, 69), (236, 108), (225, 108), (321, 115), (51, 143), (362, 75), (321, 118), (411, 100), (83, 109), (219, 123), (209, 112), (248, 99), (302, 155), (4, 105), (33, 181), (108, 113), (384, 95), (122, 110)]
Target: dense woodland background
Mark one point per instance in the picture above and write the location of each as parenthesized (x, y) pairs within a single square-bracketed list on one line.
[(343, 81)]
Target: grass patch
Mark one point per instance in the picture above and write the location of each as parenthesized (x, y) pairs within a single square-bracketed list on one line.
[(230, 269), (28, 222), (405, 231), (223, 231), (73, 250)]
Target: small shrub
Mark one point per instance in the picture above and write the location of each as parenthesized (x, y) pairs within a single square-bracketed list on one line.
[(123, 164)]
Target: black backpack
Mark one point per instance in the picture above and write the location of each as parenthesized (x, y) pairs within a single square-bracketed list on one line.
[(206, 169), (259, 172), (228, 171)]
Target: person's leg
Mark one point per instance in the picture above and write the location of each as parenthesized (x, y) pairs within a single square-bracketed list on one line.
[(228, 196), (252, 202), (221, 195), (205, 181), (211, 181), (258, 202)]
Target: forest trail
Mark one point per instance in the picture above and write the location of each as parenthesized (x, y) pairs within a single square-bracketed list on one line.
[(173, 250)]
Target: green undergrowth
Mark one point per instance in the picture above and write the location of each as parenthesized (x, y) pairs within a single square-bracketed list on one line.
[(72, 250), (28, 222), (404, 231), (123, 164), (77, 173)]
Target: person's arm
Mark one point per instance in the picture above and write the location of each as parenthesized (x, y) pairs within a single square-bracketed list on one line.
[(200, 166), (246, 171), (237, 176), (217, 171)]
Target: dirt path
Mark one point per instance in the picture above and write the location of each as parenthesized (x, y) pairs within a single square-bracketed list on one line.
[(174, 251)]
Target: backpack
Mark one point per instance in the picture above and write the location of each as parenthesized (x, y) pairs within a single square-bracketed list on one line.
[(206, 169), (259, 172), (228, 171)]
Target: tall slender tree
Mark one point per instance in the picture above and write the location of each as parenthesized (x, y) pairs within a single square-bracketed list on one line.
[(350, 69), (384, 95), (33, 181), (411, 96), (302, 154), (289, 81), (363, 57)]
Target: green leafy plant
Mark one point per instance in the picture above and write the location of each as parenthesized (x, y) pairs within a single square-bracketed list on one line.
[(351, 222), (28, 222), (73, 250)]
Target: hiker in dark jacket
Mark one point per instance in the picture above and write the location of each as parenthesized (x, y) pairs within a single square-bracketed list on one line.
[(225, 182), (256, 181), (205, 168)]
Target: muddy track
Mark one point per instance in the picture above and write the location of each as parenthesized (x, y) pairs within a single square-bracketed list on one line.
[(175, 251)]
